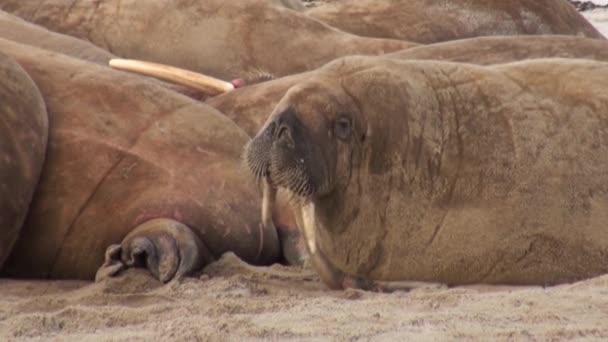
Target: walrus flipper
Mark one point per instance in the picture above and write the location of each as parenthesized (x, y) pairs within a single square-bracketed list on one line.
[(337, 280), (169, 249)]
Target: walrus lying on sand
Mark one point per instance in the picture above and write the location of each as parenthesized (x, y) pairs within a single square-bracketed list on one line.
[(225, 39), (249, 106), (431, 21), (24, 129), (441, 172), (125, 158)]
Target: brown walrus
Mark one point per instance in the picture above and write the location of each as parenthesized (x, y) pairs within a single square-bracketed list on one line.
[(23, 138), (250, 106), (19, 30), (444, 172), (224, 39), (431, 21), (128, 158)]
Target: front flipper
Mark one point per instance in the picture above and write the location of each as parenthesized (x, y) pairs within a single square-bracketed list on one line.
[(336, 279), (169, 249)]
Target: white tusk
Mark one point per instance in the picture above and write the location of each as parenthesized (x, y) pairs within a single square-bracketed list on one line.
[(207, 84), (268, 203), (308, 216)]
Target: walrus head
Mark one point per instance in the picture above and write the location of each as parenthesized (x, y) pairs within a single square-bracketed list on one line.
[(308, 147), (302, 145)]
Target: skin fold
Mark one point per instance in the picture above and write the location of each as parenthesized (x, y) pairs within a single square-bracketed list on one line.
[(432, 21)]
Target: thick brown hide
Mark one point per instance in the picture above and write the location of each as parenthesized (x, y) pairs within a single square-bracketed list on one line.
[(123, 150), (224, 39), (19, 30), (23, 138)]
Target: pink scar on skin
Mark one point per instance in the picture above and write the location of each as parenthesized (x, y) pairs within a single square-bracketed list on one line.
[(238, 83)]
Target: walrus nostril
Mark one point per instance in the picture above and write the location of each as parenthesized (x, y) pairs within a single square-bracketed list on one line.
[(270, 130), (282, 131)]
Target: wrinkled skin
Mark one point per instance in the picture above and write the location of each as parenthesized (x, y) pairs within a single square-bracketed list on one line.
[(23, 138), (123, 152), (250, 106), (431, 21), (224, 39), (448, 173)]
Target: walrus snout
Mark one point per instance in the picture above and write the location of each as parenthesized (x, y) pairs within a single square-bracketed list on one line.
[(284, 154)]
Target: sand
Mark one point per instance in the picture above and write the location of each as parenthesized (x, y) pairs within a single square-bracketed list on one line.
[(233, 301)]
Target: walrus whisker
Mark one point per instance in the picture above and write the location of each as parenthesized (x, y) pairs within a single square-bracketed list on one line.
[(207, 84)]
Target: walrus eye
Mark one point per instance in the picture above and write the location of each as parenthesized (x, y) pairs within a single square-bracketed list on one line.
[(343, 128)]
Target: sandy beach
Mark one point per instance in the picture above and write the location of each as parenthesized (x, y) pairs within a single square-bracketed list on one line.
[(233, 301)]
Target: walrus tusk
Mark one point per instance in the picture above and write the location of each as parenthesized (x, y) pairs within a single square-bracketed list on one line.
[(309, 223), (268, 202), (207, 84)]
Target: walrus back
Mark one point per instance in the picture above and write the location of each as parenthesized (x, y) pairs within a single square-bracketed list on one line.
[(476, 174), (23, 140)]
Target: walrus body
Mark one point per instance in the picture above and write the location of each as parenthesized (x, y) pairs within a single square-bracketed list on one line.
[(249, 106), (20, 31), (23, 138), (445, 172), (224, 39), (431, 21), (16, 29), (127, 157)]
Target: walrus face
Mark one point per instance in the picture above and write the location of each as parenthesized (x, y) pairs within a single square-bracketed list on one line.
[(307, 141), (299, 146)]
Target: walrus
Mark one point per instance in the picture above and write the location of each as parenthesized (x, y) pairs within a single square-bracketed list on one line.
[(128, 160), (442, 172), (223, 39), (431, 21), (250, 106), (19, 30), (23, 138)]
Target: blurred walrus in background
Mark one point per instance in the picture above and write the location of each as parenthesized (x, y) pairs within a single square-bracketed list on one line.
[(224, 39), (18, 30), (250, 106), (430, 21), (441, 172)]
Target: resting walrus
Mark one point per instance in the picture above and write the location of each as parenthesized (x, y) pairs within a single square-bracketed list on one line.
[(225, 39), (444, 172), (431, 21), (126, 158)]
